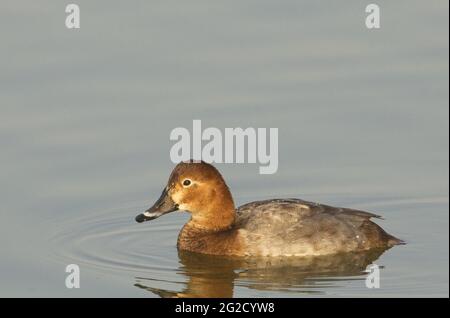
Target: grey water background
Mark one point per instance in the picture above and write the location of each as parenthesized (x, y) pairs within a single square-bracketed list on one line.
[(85, 118)]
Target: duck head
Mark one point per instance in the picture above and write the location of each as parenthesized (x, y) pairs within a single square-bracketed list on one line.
[(198, 188)]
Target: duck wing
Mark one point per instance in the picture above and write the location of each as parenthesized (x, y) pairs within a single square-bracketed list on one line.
[(298, 227)]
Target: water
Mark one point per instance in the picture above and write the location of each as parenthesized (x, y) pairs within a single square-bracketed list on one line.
[(86, 117)]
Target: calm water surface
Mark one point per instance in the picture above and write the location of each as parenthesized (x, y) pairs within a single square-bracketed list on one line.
[(86, 117)]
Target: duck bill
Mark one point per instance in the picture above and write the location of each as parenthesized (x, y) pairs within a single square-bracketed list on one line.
[(162, 206)]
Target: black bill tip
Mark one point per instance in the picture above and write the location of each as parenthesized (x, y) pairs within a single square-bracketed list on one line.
[(140, 218)]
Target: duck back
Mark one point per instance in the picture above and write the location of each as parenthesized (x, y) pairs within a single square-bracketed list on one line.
[(301, 228)]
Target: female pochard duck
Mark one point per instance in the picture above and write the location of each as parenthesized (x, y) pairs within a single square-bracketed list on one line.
[(278, 227)]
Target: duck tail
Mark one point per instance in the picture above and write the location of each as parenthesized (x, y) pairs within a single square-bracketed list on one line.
[(392, 240)]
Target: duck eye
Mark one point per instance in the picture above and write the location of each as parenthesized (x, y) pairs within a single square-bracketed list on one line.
[(187, 182)]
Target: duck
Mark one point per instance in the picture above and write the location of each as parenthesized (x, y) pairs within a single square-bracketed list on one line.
[(274, 227)]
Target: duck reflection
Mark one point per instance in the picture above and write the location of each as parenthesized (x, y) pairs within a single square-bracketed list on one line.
[(215, 277)]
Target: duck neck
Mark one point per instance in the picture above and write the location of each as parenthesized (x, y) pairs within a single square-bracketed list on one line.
[(218, 214)]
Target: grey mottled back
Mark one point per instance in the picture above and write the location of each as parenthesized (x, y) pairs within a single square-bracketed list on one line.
[(297, 227)]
